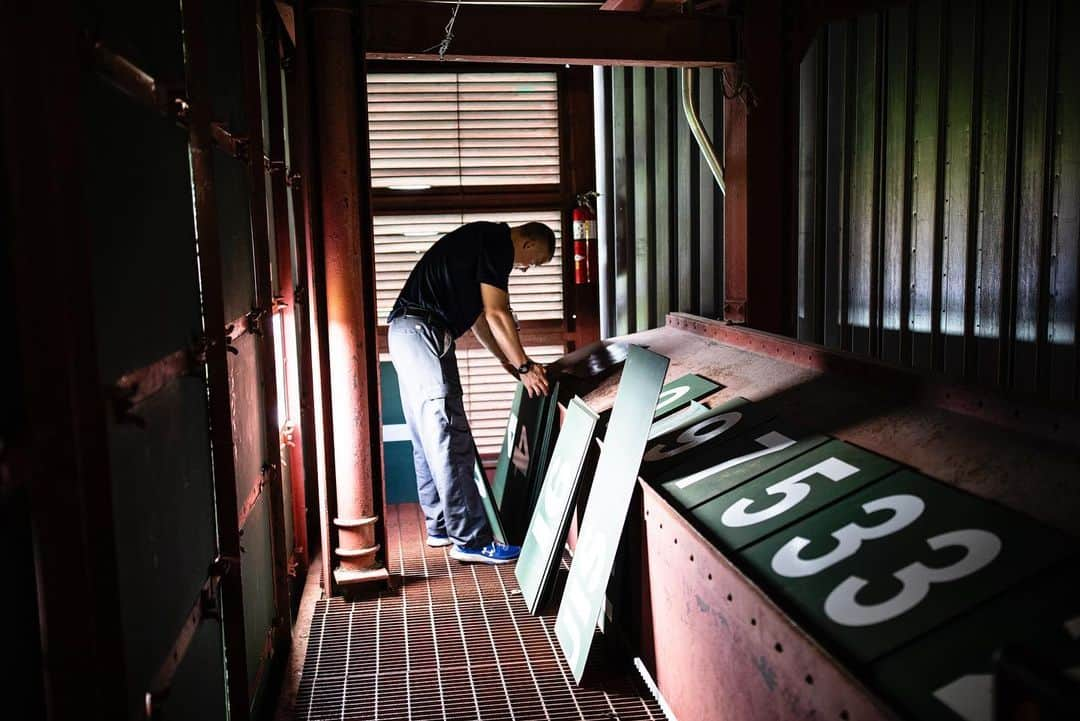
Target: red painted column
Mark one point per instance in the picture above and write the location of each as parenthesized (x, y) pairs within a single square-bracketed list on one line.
[(340, 136), (759, 237)]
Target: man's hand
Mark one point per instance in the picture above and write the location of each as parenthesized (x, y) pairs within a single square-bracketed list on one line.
[(535, 381)]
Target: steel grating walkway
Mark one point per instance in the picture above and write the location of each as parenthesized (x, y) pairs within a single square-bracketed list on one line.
[(454, 643)]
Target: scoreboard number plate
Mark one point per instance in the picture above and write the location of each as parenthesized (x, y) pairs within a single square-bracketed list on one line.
[(786, 494), (898, 558)]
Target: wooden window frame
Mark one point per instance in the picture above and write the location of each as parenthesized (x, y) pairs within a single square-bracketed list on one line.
[(559, 197)]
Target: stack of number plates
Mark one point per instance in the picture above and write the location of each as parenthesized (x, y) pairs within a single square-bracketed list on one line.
[(913, 583)]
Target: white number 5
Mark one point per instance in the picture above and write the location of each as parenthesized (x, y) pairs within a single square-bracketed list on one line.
[(981, 547), (794, 488)]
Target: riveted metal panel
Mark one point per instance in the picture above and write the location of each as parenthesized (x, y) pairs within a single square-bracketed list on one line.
[(234, 228), (223, 31), (137, 195), (258, 595), (197, 691), (249, 436), (165, 534)]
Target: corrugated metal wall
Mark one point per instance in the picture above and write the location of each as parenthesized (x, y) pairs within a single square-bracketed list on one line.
[(662, 214), (939, 189)]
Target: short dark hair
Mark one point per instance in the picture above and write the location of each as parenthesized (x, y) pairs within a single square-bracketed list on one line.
[(541, 234)]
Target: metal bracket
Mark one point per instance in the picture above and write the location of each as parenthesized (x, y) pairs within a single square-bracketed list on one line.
[(254, 321), (205, 606), (274, 166), (233, 145)]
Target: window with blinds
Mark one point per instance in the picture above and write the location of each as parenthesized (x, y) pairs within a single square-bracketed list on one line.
[(463, 129), (400, 241)]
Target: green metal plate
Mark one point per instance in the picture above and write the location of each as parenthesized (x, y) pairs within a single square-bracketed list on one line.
[(786, 494), (514, 424), (898, 558), (721, 466), (540, 554), (498, 530), (523, 459), (609, 502), (678, 420), (679, 392), (679, 448), (547, 434), (948, 674), (256, 568)]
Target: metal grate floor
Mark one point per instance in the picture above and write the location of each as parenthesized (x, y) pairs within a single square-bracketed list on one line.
[(453, 642)]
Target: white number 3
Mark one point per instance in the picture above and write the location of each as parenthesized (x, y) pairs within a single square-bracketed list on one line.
[(789, 562), (981, 548)]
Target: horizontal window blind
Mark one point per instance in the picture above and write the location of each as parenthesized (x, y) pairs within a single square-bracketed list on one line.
[(400, 241), (463, 129)]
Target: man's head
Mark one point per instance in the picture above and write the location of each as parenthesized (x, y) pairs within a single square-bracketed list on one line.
[(534, 244)]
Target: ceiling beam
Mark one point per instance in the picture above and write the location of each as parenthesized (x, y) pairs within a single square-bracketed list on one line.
[(546, 35)]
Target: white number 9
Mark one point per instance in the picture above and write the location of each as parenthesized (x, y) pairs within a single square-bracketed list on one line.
[(981, 547), (693, 437), (906, 508)]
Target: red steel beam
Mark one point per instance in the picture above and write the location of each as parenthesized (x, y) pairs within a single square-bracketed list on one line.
[(251, 50), (293, 435), (548, 35), (349, 258)]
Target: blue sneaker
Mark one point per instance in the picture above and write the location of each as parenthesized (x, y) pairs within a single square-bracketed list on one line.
[(492, 553), (438, 540)]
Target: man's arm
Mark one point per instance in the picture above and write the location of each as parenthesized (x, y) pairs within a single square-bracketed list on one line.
[(500, 325), (483, 334)]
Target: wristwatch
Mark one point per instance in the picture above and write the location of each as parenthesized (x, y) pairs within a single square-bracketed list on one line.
[(525, 367)]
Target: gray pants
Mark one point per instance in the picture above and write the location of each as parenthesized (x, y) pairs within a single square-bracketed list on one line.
[(443, 449)]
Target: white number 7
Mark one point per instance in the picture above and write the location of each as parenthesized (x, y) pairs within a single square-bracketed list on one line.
[(981, 547)]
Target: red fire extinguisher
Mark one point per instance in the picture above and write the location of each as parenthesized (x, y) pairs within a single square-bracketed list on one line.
[(584, 236)]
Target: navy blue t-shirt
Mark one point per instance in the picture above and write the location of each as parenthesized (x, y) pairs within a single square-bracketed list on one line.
[(447, 279)]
